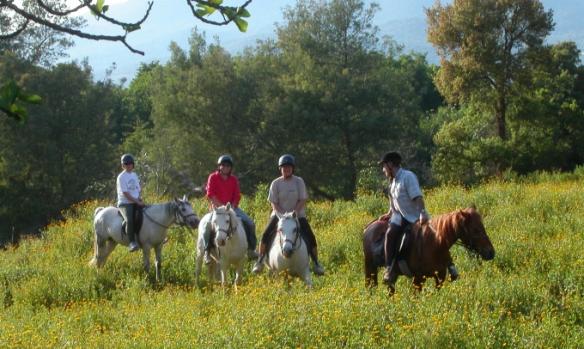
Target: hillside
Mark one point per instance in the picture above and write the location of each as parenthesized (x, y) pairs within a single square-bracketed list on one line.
[(531, 295)]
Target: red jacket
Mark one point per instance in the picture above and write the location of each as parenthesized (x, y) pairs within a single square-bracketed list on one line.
[(225, 190)]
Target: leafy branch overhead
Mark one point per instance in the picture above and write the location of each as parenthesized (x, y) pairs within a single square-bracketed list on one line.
[(10, 96), (45, 14), (16, 18)]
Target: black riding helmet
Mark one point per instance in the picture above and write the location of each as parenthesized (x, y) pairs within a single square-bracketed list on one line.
[(286, 159), (225, 159), (392, 157), (127, 159)]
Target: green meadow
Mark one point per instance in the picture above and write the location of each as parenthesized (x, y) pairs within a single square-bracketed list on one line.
[(530, 296)]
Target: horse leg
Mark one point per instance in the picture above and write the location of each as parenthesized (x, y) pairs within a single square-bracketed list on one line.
[(103, 248), (224, 270), (239, 272), (198, 265), (370, 273), (439, 278), (418, 281), (158, 262), (146, 258), (307, 278)]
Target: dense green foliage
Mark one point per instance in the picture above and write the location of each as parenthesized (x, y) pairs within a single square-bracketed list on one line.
[(529, 296), (327, 89)]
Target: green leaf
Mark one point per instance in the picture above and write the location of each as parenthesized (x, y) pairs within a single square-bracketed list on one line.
[(105, 8), (230, 12), (9, 92), (241, 24), (33, 99), (243, 12), (208, 9), (216, 2), (201, 12), (99, 5)]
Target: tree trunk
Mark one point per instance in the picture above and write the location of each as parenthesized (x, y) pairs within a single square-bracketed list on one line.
[(500, 117)]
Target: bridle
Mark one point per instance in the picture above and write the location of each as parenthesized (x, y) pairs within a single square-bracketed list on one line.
[(229, 232), (296, 243), (178, 216)]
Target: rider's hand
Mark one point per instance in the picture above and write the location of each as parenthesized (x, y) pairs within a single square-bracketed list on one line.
[(424, 217)]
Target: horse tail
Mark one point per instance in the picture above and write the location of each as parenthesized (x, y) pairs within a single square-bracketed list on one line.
[(97, 210)]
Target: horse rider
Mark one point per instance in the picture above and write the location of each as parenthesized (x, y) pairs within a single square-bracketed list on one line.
[(223, 188), (406, 206), (288, 193), (129, 197)]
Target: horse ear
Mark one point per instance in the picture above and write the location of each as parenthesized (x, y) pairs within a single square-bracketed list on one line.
[(473, 206), (228, 206), (185, 198), (294, 214)]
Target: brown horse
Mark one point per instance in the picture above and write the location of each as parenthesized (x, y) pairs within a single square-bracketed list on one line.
[(428, 252)]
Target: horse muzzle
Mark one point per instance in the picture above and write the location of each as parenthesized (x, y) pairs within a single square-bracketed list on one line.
[(488, 254), (287, 252)]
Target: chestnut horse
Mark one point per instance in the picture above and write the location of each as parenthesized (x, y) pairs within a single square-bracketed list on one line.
[(428, 252)]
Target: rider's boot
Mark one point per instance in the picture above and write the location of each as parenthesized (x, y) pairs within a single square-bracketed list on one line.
[(252, 254), (317, 268), (453, 272), (258, 267), (133, 246)]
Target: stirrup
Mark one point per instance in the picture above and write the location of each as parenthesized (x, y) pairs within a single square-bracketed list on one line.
[(133, 246)]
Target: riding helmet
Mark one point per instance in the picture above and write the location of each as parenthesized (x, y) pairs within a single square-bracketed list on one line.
[(127, 159), (225, 159), (286, 159)]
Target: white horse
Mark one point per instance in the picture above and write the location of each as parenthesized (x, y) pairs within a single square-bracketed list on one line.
[(158, 218), (230, 242), (288, 252)]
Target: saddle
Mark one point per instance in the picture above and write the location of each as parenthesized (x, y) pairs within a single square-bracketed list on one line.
[(138, 220)]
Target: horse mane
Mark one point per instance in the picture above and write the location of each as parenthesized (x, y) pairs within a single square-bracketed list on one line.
[(445, 226)]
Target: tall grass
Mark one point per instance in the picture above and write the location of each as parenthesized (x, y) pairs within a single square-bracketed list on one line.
[(530, 296)]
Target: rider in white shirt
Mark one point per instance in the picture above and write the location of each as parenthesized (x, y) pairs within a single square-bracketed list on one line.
[(129, 197)]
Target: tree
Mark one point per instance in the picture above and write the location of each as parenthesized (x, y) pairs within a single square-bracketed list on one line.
[(64, 151), (44, 18), (340, 83), (483, 47)]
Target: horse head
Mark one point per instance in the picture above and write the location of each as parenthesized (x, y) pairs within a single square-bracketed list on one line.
[(473, 234), (224, 223), (184, 213), (289, 233)]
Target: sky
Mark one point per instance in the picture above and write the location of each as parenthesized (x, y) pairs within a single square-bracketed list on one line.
[(171, 20)]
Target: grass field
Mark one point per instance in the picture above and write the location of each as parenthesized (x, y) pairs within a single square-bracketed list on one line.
[(530, 296)]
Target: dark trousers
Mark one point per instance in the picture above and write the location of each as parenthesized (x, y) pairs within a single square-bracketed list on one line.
[(305, 232), (392, 236), (129, 213)]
